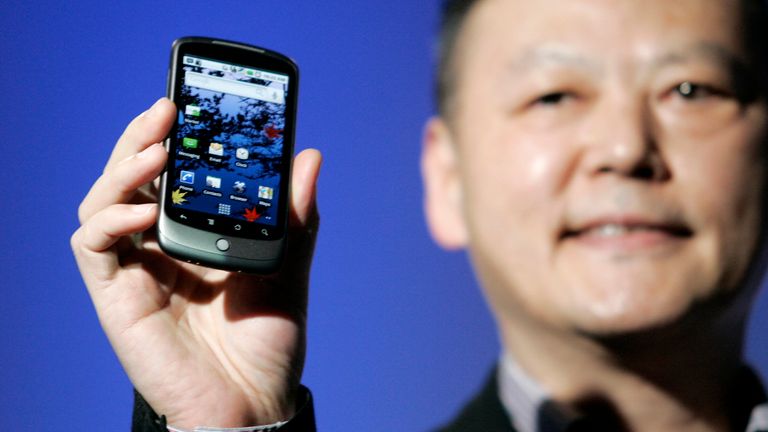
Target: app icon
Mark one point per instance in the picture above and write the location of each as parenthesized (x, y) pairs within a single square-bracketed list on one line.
[(216, 149), (187, 177), (189, 143), (213, 182), (271, 131), (242, 153), (225, 209), (251, 214), (177, 197), (265, 192), (192, 110), (239, 187)]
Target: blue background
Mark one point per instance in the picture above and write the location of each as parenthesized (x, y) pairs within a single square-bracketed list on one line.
[(399, 335)]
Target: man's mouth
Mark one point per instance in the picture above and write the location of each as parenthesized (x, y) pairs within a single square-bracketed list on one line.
[(626, 233), (619, 229)]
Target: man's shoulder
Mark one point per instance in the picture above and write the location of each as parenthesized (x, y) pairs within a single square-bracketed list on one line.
[(484, 413)]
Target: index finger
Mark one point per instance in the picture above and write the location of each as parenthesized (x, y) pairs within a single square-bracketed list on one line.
[(150, 127)]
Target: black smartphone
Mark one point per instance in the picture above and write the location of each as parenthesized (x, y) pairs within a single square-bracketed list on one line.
[(225, 191)]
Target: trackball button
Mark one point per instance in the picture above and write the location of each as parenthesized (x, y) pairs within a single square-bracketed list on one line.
[(222, 245)]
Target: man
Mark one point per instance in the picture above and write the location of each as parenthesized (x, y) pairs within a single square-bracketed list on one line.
[(602, 161)]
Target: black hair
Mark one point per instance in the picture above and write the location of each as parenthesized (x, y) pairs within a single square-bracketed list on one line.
[(756, 36), (454, 14)]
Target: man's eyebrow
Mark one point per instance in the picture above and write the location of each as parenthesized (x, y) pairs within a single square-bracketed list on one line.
[(548, 56), (702, 50)]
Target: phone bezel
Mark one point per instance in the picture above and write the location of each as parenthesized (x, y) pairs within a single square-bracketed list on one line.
[(200, 244)]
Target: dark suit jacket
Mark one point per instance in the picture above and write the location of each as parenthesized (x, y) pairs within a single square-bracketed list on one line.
[(484, 413)]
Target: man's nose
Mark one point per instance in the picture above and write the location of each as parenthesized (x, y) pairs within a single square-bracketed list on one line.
[(621, 139)]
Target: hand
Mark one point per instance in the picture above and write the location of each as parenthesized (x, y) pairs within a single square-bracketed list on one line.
[(203, 346)]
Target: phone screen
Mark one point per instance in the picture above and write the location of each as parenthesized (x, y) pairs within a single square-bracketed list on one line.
[(226, 170)]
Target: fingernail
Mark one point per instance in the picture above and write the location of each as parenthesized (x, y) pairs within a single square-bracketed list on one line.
[(143, 209)]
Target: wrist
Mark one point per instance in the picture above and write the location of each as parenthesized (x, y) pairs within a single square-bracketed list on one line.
[(302, 420), (229, 417), (230, 408)]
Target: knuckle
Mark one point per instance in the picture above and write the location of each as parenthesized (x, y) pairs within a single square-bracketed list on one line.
[(76, 240), (81, 213), (84, 211)]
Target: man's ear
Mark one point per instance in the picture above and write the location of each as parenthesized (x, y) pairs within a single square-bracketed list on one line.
[(443, 193)]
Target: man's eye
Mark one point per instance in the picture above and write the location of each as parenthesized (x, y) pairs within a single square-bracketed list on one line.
[(552, 98), (692, 91)]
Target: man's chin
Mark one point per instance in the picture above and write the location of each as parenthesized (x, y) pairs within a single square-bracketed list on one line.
[(630, 298), (630, 318), (658, 327)]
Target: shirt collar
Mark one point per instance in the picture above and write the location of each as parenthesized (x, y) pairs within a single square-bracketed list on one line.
[(523, 398), (531, 410)]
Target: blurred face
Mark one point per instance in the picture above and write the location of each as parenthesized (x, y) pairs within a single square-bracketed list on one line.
[(608, 164)]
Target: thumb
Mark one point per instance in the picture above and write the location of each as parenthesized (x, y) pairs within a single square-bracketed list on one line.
[(303, 219), (303, 212)]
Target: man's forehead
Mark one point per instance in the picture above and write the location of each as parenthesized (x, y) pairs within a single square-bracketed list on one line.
[(576, 33), (533, 17), (564, 55)]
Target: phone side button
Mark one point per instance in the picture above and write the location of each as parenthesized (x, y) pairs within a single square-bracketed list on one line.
[(222, 245)]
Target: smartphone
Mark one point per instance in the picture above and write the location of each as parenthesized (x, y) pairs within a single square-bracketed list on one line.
[(225, 191)]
